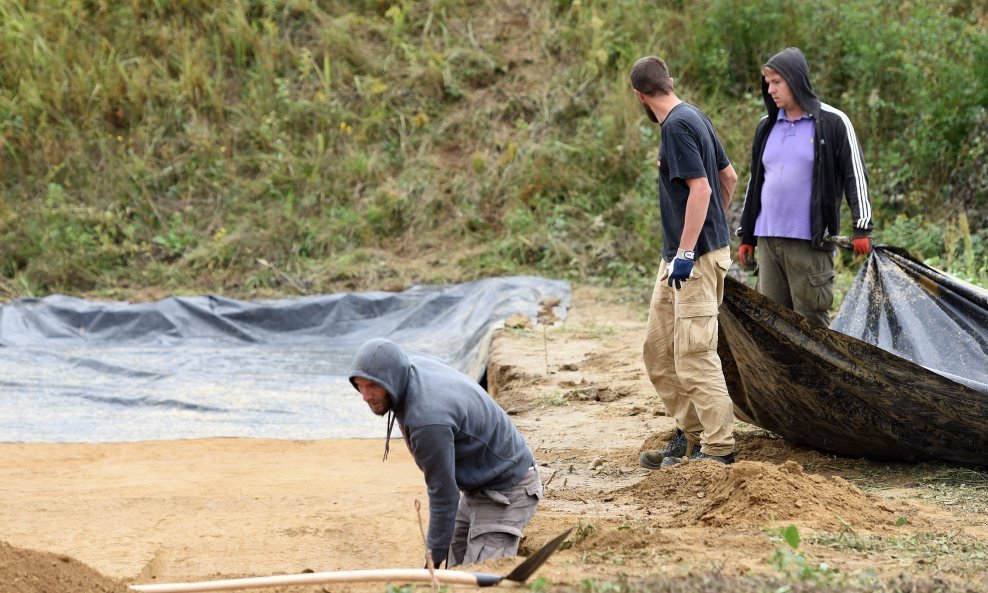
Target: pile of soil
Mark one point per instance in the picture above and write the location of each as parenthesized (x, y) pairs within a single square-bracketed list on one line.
[(753, 493), (31, 571)]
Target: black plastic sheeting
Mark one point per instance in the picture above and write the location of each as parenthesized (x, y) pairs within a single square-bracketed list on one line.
[(921, 314), (901, 375), (73, 370)]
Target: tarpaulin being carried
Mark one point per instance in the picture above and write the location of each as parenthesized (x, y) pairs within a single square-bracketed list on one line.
[(73, 370), (901, 375)]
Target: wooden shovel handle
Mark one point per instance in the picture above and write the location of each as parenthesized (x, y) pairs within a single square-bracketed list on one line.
[(398, 575)]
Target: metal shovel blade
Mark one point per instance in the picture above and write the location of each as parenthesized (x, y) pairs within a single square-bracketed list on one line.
[(533, 562)]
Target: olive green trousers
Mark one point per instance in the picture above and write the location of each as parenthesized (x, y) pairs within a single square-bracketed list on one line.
[(798, 277)]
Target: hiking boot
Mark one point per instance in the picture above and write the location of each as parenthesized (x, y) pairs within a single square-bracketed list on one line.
[(675, 448), (726, 459)]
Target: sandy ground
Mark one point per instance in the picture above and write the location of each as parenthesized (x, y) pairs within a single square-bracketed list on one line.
[(102, 517)]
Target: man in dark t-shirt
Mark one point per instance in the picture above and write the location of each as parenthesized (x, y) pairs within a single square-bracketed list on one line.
[(696, 181), (690, 150)]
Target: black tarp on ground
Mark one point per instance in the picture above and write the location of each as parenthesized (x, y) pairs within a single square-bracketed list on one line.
[(838, 393), (73, 370)]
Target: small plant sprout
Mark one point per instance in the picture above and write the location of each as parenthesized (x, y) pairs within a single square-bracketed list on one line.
[(794, 565)]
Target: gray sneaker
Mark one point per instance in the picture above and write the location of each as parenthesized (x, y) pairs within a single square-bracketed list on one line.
[(670, 461), (676, 448)]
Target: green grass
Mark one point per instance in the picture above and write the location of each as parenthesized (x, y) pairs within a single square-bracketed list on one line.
[(552, 399), (174, 145)]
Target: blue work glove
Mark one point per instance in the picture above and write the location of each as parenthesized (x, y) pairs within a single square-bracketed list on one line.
[(681, 268)]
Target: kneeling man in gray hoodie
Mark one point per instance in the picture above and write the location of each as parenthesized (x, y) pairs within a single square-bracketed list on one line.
[(481, 476)]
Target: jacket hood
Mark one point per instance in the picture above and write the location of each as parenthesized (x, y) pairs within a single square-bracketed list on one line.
[(383, 362), (791, 64)]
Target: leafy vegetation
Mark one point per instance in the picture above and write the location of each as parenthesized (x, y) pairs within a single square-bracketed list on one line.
[(794, 565), (283, 146)]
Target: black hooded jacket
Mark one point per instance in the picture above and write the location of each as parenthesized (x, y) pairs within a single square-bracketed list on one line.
[(838, 165)]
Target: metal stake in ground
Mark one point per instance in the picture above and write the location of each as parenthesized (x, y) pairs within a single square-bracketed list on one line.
[(398, 575)]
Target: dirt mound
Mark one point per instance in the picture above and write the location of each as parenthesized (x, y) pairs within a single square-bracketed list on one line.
[(30, 571), (753, 493)]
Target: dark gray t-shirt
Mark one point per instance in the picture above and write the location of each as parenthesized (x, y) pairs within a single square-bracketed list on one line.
[(689, 148)]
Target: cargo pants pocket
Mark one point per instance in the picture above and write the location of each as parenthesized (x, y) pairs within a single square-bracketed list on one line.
[(487, 542), (696, 327), (821, 290)]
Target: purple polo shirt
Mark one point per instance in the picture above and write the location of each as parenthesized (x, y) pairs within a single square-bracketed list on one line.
[(788, 163)]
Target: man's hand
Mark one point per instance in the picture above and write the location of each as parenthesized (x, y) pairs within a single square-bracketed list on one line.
[(435, 563), (862, 245), (746, 253), (681, 268)]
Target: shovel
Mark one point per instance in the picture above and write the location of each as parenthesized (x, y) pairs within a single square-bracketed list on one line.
[(402, 575)]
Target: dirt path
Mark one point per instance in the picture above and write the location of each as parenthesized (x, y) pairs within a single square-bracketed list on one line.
[(169, 511)]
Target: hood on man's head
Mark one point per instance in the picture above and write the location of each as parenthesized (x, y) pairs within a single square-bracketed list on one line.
[(792, 65), (383, 362)]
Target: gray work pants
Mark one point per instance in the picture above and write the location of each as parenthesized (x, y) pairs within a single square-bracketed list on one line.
[(489, 523)]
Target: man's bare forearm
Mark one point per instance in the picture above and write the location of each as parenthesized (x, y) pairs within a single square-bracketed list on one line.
[(728, 182)]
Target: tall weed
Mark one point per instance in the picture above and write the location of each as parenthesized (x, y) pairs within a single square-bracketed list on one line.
[(181, 142)]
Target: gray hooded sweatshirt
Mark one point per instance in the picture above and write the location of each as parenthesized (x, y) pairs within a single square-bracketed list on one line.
[(458, 435)]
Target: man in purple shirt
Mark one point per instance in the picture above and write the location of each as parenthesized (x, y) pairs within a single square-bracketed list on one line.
[(788, 162), (804, 159)]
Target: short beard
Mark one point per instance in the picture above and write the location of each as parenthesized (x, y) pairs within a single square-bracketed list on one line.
[(650, 113), (382, 413)]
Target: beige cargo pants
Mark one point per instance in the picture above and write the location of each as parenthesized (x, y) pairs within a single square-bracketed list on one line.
[(680, 353)]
